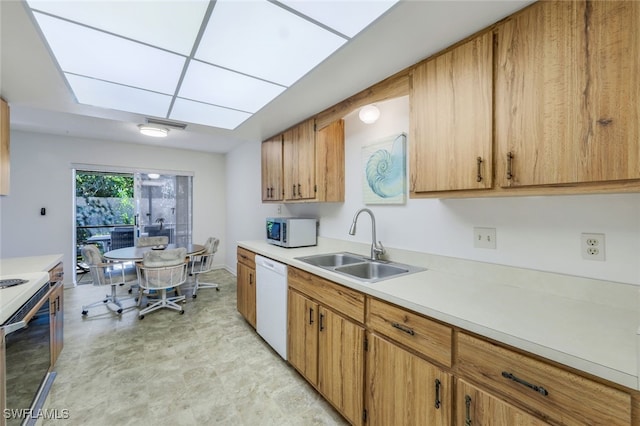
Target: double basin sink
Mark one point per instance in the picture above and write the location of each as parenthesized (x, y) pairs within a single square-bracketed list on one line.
[(359, 267)]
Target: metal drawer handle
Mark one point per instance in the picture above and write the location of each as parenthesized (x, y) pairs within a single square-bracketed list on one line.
[(539, 389), (509, 165), (479, 177), (467, 412), (310, 315), (321, 322), (403, 328), (438, 393)]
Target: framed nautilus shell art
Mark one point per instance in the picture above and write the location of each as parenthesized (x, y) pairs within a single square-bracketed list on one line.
[(385, 171)]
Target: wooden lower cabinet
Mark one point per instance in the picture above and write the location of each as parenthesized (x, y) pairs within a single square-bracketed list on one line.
[(476, 407), (404, 389), (328, 350), (302, 337), (246, 303), (341, 364), (56, 310)]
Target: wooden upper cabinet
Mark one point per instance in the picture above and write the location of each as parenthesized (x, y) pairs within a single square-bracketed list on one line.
[(304, 165), (451, 99), (4, 147), (272, 169), (568, 94), (299, 147)]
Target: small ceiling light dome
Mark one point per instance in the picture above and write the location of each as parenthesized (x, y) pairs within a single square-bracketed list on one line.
[(369, 114), (156, 132), (153, 175)]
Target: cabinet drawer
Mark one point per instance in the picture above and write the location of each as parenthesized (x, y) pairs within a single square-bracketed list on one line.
[(342, 299), (428, 337), (247, 257), (56, 274), (552, 393)]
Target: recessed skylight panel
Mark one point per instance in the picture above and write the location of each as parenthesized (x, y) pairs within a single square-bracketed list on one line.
[(84, 51), (113, 96), (214, 85), (347, 17), (262, 39), (208, 115), (171, 25)]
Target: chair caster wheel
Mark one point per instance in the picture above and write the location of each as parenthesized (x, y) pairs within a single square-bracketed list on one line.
[(194, 296), (84, 313), (105, 300), (141, 317), (182, 312), (217, 288), (130, 291), (119, 311)]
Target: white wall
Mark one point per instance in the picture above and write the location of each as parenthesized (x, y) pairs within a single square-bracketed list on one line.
[(41, 176), (540, 233)]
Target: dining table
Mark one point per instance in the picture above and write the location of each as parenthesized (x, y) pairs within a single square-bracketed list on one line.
[(137, 253)]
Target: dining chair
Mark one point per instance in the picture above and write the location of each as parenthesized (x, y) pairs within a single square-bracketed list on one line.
[(160, 271), (106, 273), (203, 263)]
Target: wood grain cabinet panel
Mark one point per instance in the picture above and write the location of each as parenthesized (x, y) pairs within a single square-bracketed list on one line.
[(56, 309), (421, 334), (552, 393), (302, 339), (404, 389), (246, 285), (299, 148), (476, 407), (272, 169), (451, 138), (567, 93)]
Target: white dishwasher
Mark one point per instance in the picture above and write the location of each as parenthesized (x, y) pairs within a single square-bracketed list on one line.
[(271, 303)]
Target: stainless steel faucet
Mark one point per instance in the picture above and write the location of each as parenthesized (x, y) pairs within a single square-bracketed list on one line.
[(376, 247)]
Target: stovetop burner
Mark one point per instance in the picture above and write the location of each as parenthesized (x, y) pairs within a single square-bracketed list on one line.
[(10, 282)]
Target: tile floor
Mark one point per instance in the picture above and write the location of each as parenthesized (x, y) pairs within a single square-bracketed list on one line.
[(205, 367)]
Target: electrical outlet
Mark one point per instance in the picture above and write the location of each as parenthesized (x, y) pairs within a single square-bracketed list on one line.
[(592, 246), (279, 208), (484, 238)]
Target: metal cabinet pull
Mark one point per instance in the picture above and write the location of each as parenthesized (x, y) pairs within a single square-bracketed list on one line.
[(479, 176), (310, 315), (299, 191), (294, 189), (438, 402), (539, 389), (403, 328), (321, 322), (467, 410), (509, 165), (250, 279)]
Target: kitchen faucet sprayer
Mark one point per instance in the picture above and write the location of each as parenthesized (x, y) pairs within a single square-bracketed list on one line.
[(376, 247)]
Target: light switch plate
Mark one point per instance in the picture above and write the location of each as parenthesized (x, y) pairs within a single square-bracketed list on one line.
[(484, 238)]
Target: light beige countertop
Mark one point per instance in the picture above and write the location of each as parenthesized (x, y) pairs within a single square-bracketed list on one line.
[(34, 269), (588, 324)]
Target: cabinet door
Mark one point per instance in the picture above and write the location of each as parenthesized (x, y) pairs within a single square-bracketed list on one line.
[(272, 169), (451, 119), (303, 336), (341, 364), (403, 389), (330, 162), (299, 160), (568, 94), (56, 308), (478, 408), (246, 297)]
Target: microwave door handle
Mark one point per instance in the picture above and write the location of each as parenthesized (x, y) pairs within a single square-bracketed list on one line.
[(10, 328)]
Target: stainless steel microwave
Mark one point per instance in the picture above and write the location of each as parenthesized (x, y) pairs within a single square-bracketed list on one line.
[(291, 231)]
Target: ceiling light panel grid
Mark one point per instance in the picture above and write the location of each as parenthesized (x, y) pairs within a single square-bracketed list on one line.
[(136, 56)]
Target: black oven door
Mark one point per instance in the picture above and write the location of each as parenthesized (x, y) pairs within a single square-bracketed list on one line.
[(27, 362)]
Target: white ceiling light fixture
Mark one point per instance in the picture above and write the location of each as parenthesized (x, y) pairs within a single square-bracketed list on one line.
[(155, 132), (153, 175), (369, 114)]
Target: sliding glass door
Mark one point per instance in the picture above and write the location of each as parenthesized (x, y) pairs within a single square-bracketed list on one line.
[(163, 205)]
